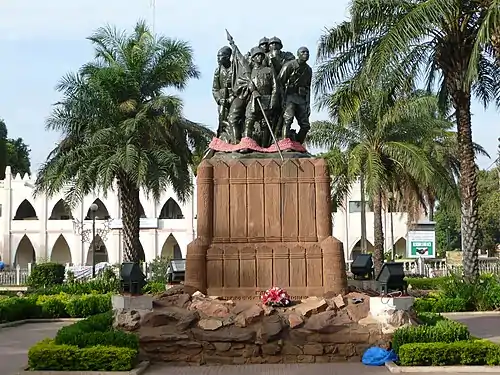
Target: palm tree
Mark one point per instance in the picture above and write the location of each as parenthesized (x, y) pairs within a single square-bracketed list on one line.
[(121, 130), (383, 142), (401, 41)]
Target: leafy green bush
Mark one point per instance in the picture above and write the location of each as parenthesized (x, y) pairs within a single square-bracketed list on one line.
[(154, 287), (426, 283), (88, 304), (478, 352), (441, 304), (443, 331), (46, 355), (53, 306), (158, 268), (429, 318), (18, 308), (95, 330), (106, 282), (46, 275)]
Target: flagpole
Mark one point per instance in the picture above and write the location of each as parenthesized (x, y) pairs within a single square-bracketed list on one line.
[(153, 5)]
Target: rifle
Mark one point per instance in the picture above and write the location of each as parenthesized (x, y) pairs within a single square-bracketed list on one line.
[(248, 70)]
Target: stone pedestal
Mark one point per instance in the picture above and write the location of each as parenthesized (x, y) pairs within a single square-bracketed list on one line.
[(128, 311), (264, 223), (124, 302), (379, 306), (390, 313)]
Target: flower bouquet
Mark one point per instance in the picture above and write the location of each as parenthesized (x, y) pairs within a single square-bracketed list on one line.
[(275, 297)]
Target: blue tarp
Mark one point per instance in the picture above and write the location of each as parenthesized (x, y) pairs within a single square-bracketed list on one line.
[(376, 356)]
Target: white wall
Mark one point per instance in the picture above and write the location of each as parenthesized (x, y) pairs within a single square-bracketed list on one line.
[(44, 229), (49, 233)]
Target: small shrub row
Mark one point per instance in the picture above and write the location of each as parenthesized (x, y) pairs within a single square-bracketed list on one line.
[(467, 353), (441, 304), (96, 330), (426, 283), (47, 356), (54, 306), (88, 345), (442, 331)]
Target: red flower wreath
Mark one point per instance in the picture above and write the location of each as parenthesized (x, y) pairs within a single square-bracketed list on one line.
[(275, 297)]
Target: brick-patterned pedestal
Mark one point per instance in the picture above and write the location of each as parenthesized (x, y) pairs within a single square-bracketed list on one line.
[(264, 223)]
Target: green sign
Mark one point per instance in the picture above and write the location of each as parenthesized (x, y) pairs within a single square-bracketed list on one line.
[(422, 248)]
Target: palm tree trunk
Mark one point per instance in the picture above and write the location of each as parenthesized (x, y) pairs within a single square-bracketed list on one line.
[(468, 184), (378, 233), (129, 204), (363, 214)]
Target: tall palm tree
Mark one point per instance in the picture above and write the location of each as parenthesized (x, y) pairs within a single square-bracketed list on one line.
[(451, 43), (121, 130), (382, 142)]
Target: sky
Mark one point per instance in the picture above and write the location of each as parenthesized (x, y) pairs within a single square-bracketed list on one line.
[(40, 41)]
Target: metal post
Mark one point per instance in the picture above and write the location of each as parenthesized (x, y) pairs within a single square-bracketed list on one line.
[(93, 244), (392, 226), (93, 210)]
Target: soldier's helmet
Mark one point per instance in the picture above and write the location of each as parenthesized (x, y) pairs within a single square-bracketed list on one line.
[(256, 50), (263, 40), (225, 51), (276, 40)]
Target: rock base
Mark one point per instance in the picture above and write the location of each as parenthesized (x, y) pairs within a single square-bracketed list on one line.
[(193, 329)]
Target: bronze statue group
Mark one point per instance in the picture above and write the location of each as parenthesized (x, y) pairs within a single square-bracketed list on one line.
[(260, 94)]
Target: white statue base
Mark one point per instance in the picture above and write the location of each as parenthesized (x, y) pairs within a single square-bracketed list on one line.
[(128, 310), (390, 313), (127, 302)]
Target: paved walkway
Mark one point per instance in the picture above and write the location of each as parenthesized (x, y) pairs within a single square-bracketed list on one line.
[(15, 342), (482, 326), (288, 369)]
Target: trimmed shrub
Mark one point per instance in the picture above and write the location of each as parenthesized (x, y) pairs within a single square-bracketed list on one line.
[(46, 275), (426, 283), (467, 353), (441, 305), (443, 331), (46, 355), (54, 306), (96, 330)]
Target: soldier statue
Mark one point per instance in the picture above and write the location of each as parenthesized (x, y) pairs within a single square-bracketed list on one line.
[(221, 87), (263, 99), (276, 56), (295, 77), (259, 95)]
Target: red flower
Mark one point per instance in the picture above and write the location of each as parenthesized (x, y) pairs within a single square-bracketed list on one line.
[(276, 297)]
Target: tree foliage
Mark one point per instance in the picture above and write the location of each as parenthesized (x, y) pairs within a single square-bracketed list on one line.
[(448, 44), (121, 129), (13, 152)]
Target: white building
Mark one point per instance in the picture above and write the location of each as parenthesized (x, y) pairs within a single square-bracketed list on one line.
[(39, 228)]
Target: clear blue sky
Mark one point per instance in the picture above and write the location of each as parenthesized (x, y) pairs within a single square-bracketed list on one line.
[(42, 40)]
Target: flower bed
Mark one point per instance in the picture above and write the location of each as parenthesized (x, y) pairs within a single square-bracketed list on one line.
[(53, 306), (88, 345)]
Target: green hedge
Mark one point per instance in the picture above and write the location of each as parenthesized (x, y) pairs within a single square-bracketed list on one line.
[(426, 283), (478, 352), (88, 345), (46, 355), (96, 330), (441, 304), (46, 275), (54, 306), (443, 331)]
